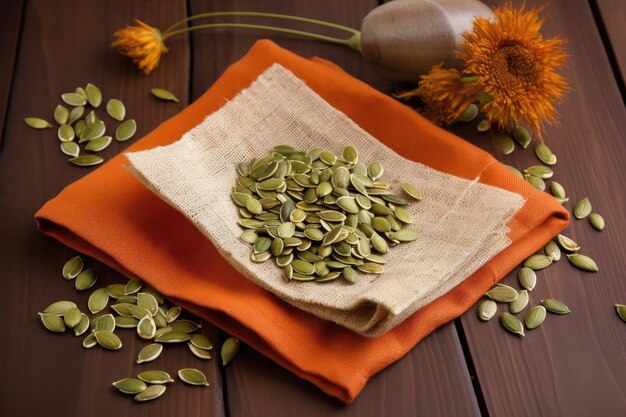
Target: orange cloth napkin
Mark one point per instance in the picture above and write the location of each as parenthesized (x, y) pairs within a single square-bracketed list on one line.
[(112, 217)]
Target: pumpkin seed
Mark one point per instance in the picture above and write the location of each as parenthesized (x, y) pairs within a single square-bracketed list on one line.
[(126, 322), (72, 317), (70, 149), (73, 267), (155, 377), (527, 278), (192, 376), (487, 309), (583, 262), (103, 322), (86, 279), (94, 95), (522, 136), (229, 350), (86, 160), (535, 317), (555, 306), (557, 189), (61, 115), (540, 171), (350, 155), (544, 154), (148, 302), (74, 99), (116, 109), (149, 353), (405, 235), (133, 286), (98, 300), (37, 123), (164, 94), (146, 328), (552, 250), (536, 182), (582, 209), (375, 171), (89, 341), (621, 311), (469, 113), (59, 307), (99, 144), (597, 221), (126, 130), (82, 325), (199, 353), (502, 293), (108, 340), (512, 323), (483, 126), (130, 385), (172, 314), (520, 302), (52, 322), (201, 341), (505, 144), (567, 243), (151, 393), (75, 114), (537, 262), (371, 268), (172, 337)]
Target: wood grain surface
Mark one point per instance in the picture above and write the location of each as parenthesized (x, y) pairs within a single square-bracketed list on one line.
[(572, 365), (613, 15)]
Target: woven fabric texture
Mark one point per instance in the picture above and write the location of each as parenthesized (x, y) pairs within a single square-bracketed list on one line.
[(461, 223)]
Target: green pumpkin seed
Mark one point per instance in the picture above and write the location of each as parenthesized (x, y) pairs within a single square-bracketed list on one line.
[(59, 307), (552, 250), (544, 154), (90, 341), (148, 302), (146, 328), (126, 130), (229, 350), (82, 325), (172, 314), (86, 160), (487, 309), (527, 278), (537, 262), (540, 171), (520, 302), (201, 341), (116, 109), (512, 323), (621, 311), (155, 377), (104, 322), (597, 221), (172, 337), (557, 190), (108, 340), (555, 306), (583, 262), (483, 126), (75, 114), (74, 99), (350, 155), (149, 353), (567, 243), (86, 279), (469, 113), (81, 91), (52, 322), (535, 317), (61, 115), (371, 268), (164, 94), (582, 209), (505, 144), (198, 352), (99, 144), (502, 293), (405, 235), (94, 95), (536, 182), (151, 393), (98, 300), (37, 123), (72, 317), (133, 286), (73, 267), (192, 376), (70, 149), (522, 136), (130, 385), (126, 322)]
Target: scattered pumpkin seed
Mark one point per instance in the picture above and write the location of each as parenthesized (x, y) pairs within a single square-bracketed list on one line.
[(72, 317), (199, 353), (505, 144), (552, 251), (512, 323), (73, 267), (567, 243), (133, 286), (172, 337), (540, 171), (116, 109), (544, 154), (86, 160), (520, 302), (229, 350), (155, 377), (538, 261), (555, 306), (149, 353), (74, 99), (621, 311), (98, 144), (37, 123), (126, 322), (527, 278), (146, 328), (502, 293), (582, 209), (172, 314), (184, 326), (61, 115), (75, 114), (164, 94), (597, 221), (103, 322), (86, 279), (130, 385), (151, 393), (522, 136), (70, 149), (108, 340), (82, 325), (94, 95), (557, 189), (535, 317), (98, 300), (193, 376), (469, 113), (52, 322), (583, 262), (483, 126), (59, 307), (201, 341), (487, 309), (126, 130), (90, 341)]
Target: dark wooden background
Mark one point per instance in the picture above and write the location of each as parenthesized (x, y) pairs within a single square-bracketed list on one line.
[(571, 366)]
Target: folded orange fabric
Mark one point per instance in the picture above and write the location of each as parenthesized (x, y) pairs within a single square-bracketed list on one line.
[(112, 217)]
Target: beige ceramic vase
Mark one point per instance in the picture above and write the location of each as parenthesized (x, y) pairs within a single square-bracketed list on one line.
[(413, 35)]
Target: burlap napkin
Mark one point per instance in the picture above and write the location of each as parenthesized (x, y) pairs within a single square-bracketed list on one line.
[(112, 217), (462, 223)]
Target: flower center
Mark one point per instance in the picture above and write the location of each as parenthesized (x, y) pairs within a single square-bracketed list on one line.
[(514, 63)]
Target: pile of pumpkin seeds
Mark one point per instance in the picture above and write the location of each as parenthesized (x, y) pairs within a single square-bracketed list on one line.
[(90, 130), (149, 385), (321, 216), (134, 307)]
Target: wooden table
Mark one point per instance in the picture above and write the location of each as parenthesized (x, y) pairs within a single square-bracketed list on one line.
[(572, 366)]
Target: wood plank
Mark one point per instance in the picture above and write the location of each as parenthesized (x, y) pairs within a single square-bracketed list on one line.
[(613, 14), (433, 378), (66, 44), (10, 22), (572, 365)]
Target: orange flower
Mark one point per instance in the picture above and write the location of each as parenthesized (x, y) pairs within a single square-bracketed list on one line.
[(143, 44), (444, 94), (516, 66)]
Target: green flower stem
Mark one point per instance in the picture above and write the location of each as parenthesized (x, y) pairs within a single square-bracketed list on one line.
[(353, 41)]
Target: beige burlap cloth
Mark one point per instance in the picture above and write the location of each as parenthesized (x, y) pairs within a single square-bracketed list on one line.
[(462, 224)]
